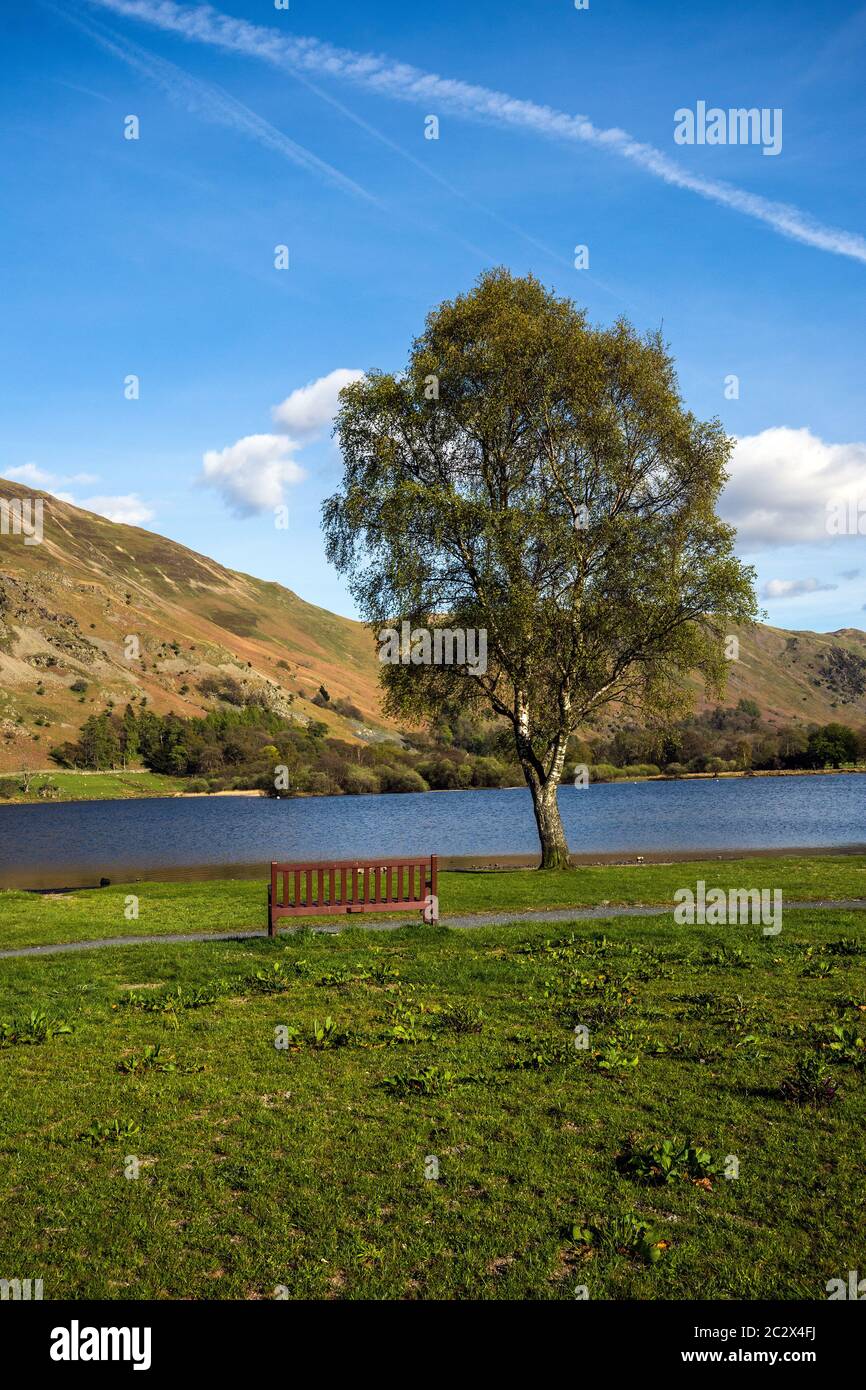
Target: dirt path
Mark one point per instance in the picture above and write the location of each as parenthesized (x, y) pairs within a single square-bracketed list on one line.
[(480, 919)]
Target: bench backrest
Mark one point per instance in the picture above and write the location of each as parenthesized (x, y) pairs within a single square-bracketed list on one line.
[(341, 885)]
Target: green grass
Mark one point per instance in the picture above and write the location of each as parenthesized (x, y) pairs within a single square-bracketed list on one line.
[(98, 786), (28, 919), (301, 1169)]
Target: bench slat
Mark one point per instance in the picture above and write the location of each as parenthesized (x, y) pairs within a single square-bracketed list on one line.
[(385, 885)]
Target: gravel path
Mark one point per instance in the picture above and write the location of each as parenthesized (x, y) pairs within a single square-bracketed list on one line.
[(481, 919)]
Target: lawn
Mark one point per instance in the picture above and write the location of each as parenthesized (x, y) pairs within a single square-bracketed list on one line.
[(28, 919), (98, 786), (443, 1137)]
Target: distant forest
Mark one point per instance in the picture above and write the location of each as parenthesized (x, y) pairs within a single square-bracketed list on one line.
[(237, 748)]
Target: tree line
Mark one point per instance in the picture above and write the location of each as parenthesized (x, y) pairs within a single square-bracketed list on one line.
[(722, 739), (242, 748)]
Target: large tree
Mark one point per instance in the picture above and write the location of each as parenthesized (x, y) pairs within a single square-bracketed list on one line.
[(538, 477)]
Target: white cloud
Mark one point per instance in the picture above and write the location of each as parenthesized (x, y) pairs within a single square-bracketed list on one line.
[(302, 55), (310, 408), (127, 509), (794, 588), (30, 474), (782, 483), (252, 474), (33, 476)]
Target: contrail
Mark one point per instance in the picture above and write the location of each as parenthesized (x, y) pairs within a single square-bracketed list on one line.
[(214, 104), (204, 24)]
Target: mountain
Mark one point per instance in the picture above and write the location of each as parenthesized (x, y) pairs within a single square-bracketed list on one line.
[(807, 677), (69, 606)]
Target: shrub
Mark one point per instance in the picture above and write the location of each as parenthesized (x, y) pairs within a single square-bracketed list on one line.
[(441, 773), (347, 709), (223, 687), (320, 784), (401, 779), (360, 780), (65, 754), (602, 772), (489, 772)]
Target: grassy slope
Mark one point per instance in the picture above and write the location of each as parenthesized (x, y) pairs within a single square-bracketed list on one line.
[(100, 786), (28, 919), (272, 1168), (782, 670), (92, 581)]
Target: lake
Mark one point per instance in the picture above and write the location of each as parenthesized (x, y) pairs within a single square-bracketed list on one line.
[(70, 844)]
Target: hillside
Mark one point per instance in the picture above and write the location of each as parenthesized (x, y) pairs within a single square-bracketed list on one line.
[(68, 606), (807, 677)]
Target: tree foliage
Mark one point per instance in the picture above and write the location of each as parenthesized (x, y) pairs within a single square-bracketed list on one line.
[(539, 478)]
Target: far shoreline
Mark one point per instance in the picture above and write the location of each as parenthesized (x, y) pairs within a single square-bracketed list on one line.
[(173, 794)]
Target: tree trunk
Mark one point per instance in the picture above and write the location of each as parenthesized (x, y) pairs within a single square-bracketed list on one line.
[(554, 846)]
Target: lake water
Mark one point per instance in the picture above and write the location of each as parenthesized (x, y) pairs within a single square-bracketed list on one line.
[(68, 844)]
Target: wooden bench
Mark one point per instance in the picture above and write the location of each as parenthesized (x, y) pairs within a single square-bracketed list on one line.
[(353, 885)]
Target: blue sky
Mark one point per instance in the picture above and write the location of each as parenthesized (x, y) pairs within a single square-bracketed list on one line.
[(155, 256)]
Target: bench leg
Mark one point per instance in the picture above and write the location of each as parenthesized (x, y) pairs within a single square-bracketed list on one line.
[(272, 930)]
